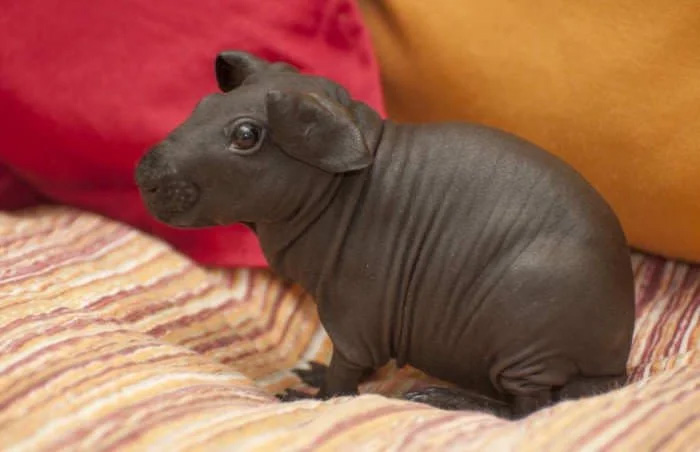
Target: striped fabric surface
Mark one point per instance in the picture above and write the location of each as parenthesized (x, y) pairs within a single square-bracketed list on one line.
[(110, 340)]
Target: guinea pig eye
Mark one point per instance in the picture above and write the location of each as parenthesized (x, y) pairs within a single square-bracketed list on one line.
[(245, 136)]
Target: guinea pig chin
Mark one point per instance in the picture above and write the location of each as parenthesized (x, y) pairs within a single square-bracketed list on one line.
[(190, 219)]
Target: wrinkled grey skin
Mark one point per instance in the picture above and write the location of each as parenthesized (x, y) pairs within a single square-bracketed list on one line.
[(456, 248)]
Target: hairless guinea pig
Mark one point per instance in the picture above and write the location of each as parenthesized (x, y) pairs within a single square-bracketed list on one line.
[(456, 248)]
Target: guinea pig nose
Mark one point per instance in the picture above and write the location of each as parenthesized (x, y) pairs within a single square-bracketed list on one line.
[(151, 167), (176, 196)]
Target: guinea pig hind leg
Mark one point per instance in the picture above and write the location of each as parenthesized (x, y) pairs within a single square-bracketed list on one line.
[(540, 396), (533, 385), (581, 386), (458, 399)]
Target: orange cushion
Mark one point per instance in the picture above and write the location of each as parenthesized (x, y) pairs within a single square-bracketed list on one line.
[(611, 87)]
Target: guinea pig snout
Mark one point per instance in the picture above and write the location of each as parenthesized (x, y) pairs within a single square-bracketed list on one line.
[(171, 196), (163, 189)]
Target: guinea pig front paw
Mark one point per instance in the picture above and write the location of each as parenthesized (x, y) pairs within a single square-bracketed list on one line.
[(313, 376), (292, 395)]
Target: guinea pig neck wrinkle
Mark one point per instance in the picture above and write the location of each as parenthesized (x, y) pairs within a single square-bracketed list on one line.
[(335, 206), (276, 238)]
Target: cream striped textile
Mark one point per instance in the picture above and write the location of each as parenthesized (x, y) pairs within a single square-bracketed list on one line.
[(109, 340)]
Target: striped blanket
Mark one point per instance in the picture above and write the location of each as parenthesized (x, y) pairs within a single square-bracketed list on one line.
[(110, 340)]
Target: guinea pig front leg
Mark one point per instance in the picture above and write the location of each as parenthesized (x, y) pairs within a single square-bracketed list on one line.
[(315, 375), (339, 378), (342, 377)]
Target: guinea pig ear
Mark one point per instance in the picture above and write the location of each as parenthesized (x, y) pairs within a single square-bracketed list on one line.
[(317, 130), (232, 67)]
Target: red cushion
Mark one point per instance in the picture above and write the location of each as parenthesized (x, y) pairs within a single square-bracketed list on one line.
[(86, 87)]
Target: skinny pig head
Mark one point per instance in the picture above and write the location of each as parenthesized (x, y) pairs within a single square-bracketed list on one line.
[(271, 143)]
